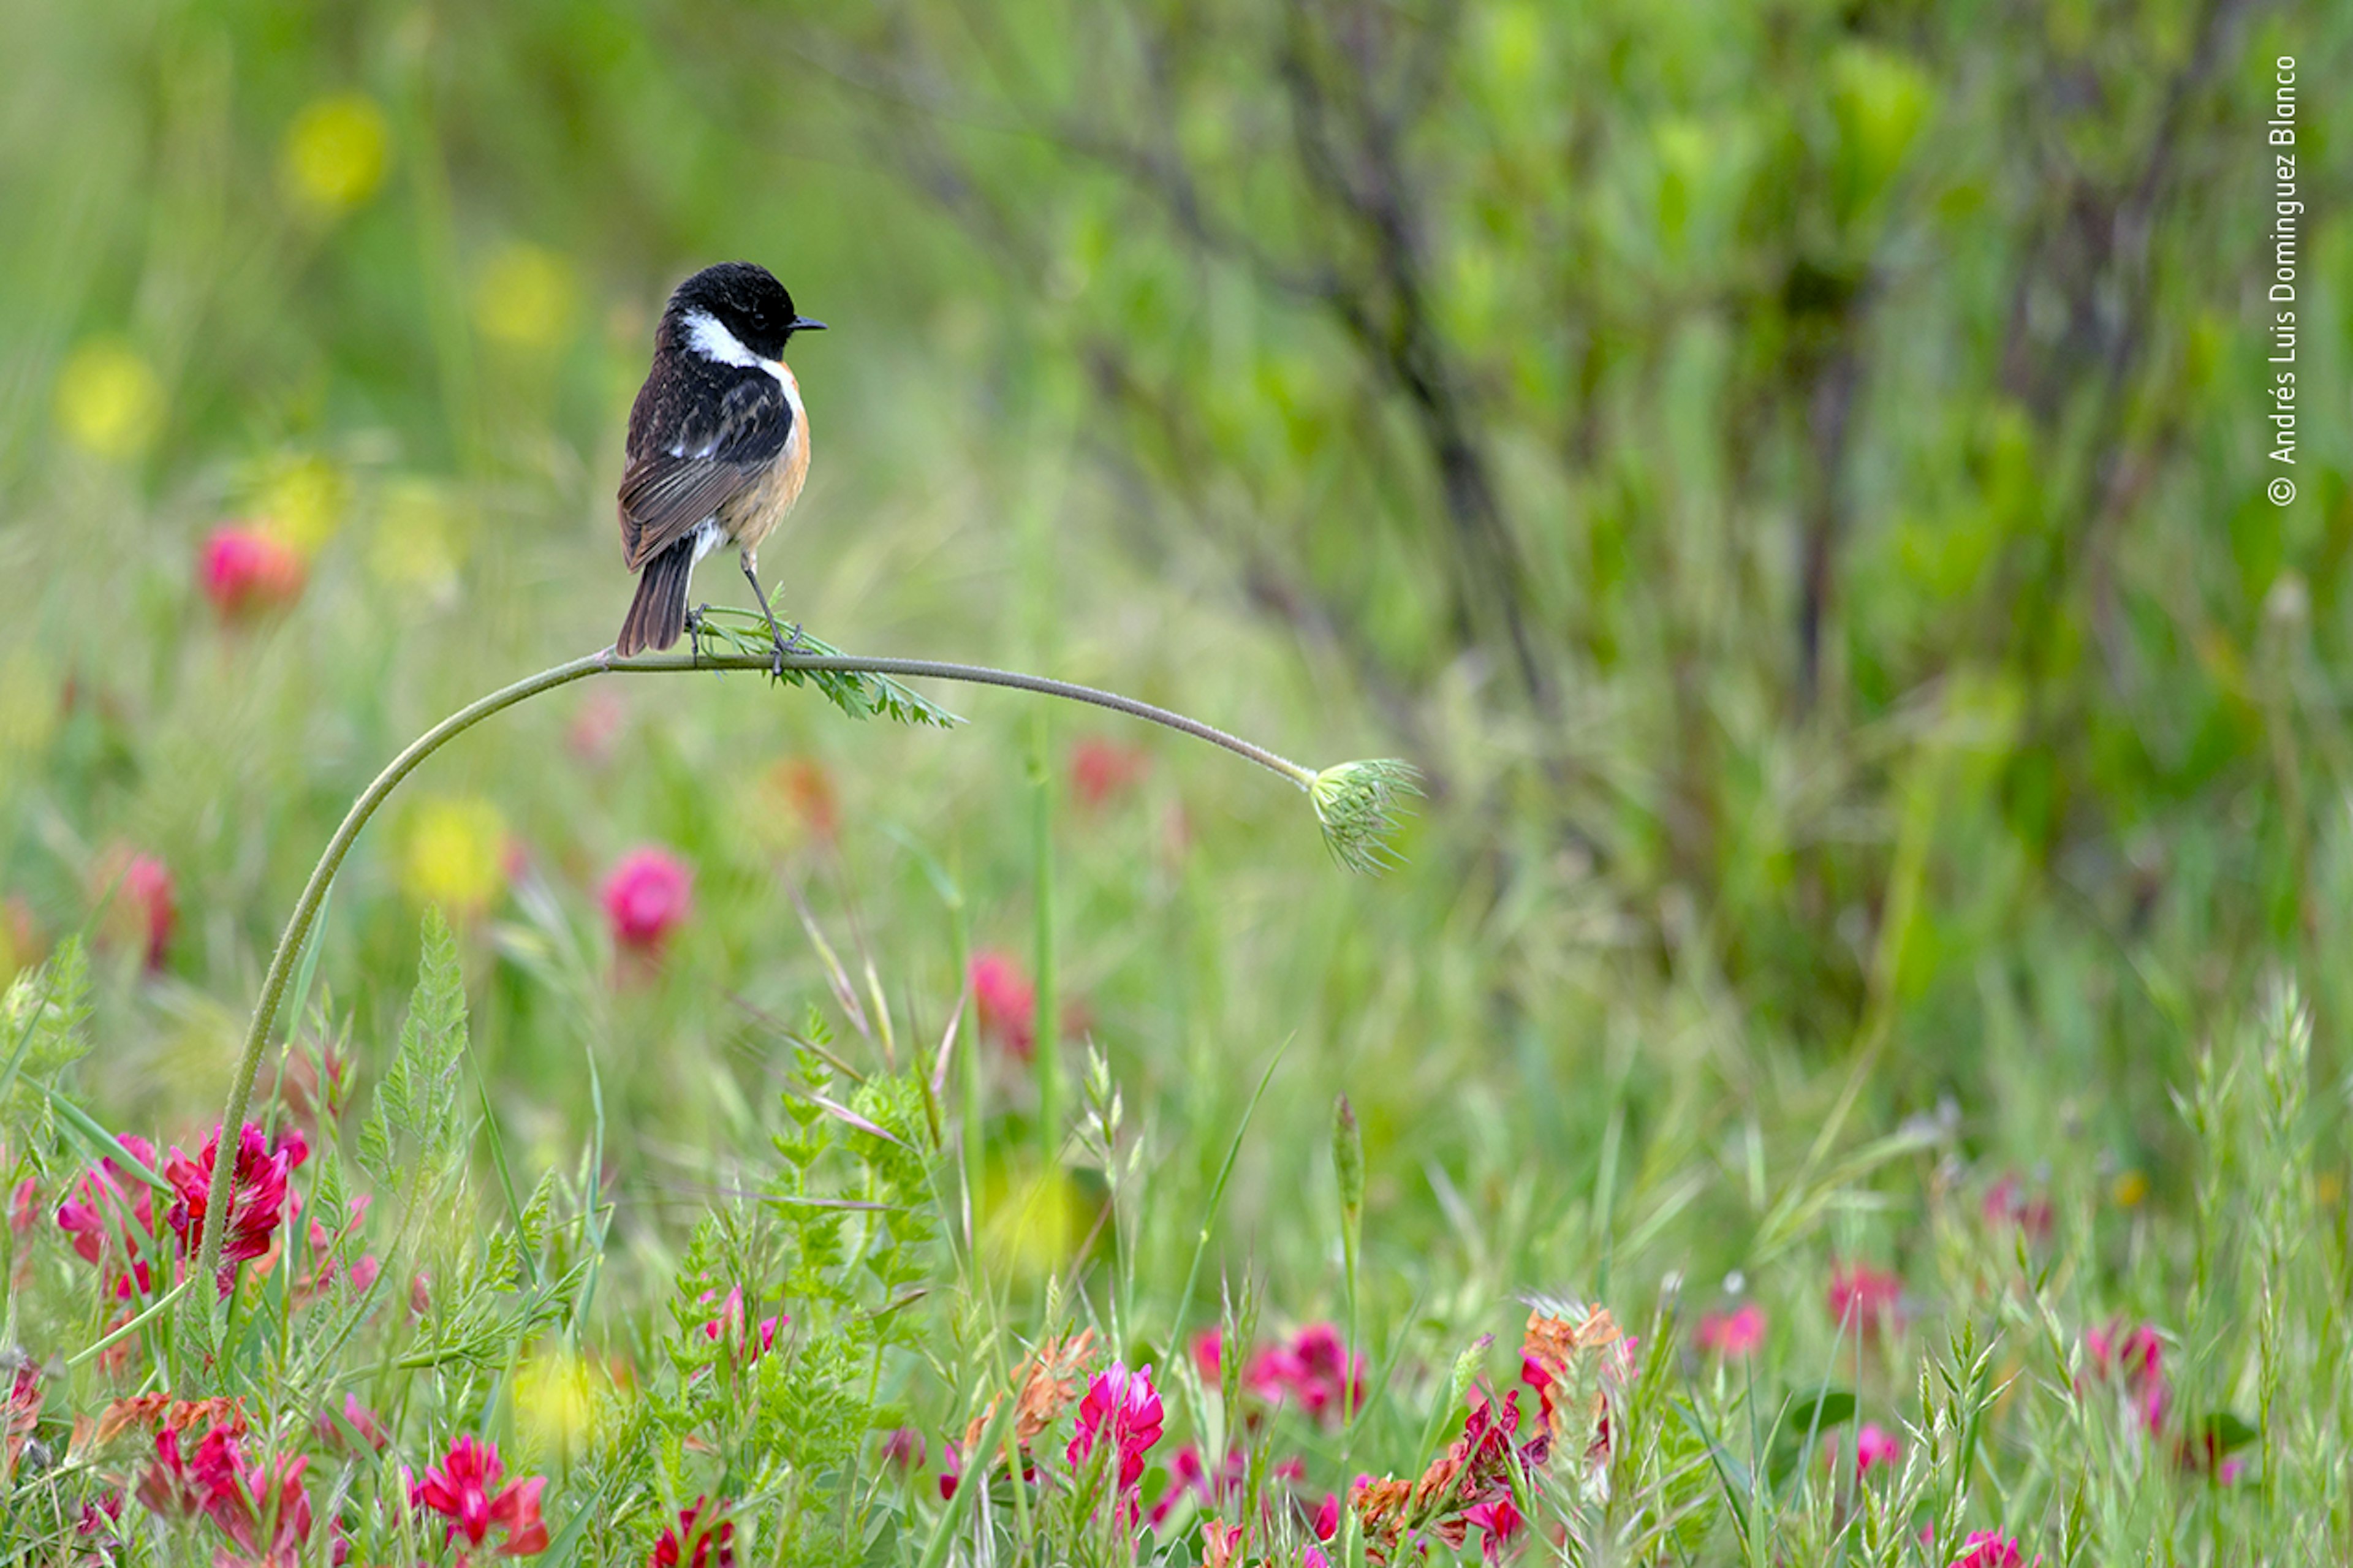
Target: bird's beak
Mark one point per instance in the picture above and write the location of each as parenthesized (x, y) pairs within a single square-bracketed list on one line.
[(803, 324)]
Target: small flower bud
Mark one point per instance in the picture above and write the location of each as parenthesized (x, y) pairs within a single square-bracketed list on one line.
[(1348, 1157)]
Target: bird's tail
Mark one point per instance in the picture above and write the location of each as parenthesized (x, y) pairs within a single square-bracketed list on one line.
[(658, 615)]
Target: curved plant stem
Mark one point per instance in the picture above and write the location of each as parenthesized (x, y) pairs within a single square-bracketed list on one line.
[(314, 891)]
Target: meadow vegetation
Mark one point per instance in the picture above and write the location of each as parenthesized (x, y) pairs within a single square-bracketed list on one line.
[(1848, 1062)]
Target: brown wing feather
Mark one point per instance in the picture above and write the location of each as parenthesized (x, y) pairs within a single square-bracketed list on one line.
[(662, 499), (698, 437)]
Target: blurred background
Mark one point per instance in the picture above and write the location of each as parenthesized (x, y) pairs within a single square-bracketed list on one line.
[(1792, 475)]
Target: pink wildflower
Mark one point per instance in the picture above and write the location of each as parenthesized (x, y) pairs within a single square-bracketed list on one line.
[(265, 1511), (903, 1448), (645, 899), (708, 1545), (728, 1329), (1871, 1297), (1500, 1519), (1101, 770), (1988, 1549), (1007, 1001), (245, 571), (1738, 1333), (111, 1214), (461, 1489), (147, 883), (1122, 1408), (1873, 1445), (256, 1195), (357, 1420), (2006, 1204), (2134, 1358), (1313, 1371), (1208, 1349), (1327, 1517)]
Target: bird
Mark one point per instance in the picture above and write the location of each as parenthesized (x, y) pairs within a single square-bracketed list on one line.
[(719, 446)]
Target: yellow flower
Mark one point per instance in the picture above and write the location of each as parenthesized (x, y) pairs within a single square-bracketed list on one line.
[(454, 853), (526, 298), (1034, 1220), (335, 153), (300, 502), (556, 1401), (2129, 1190), (109, 401), (417, 546)]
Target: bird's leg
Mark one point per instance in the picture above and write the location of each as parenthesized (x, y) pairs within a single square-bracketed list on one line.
[(695, 627), (782, 644)]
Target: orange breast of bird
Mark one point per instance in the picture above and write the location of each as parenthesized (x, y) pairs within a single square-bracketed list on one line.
[(754, 511)]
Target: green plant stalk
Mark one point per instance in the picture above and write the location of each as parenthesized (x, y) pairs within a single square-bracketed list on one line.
[(1046, 1026), (306, 908)]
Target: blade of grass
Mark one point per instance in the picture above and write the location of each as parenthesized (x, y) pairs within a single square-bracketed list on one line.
[(133, 1327), (1216, 1203)]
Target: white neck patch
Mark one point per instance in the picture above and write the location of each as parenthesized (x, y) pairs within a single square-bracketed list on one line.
[(707, 335)]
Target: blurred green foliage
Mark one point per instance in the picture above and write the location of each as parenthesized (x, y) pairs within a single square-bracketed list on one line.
[(1792, 475)]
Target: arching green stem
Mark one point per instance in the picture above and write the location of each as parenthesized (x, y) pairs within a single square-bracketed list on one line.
[(306, 909)]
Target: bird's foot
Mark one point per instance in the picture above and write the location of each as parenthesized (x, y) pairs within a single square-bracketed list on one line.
[(782, 645)]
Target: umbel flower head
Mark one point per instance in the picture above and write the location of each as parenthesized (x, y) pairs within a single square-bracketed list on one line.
[(1358, 804)]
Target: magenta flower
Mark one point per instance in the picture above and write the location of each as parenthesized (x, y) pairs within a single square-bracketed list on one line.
[(1500, 1519), (2006, 1204), (1988, 1549), (1314, 1371), (358, 1420), (1008, 1003), (265, 1511), (1738, 1333), (646, 897), (903, 1448), (111, 1214), (256, 1195), (727, 1329), (245, 571), (460, 1489), (2134, 1358), (148, 887), (710, 1543), (1122, 1408), (1873, 1445), (1872, 1297)]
